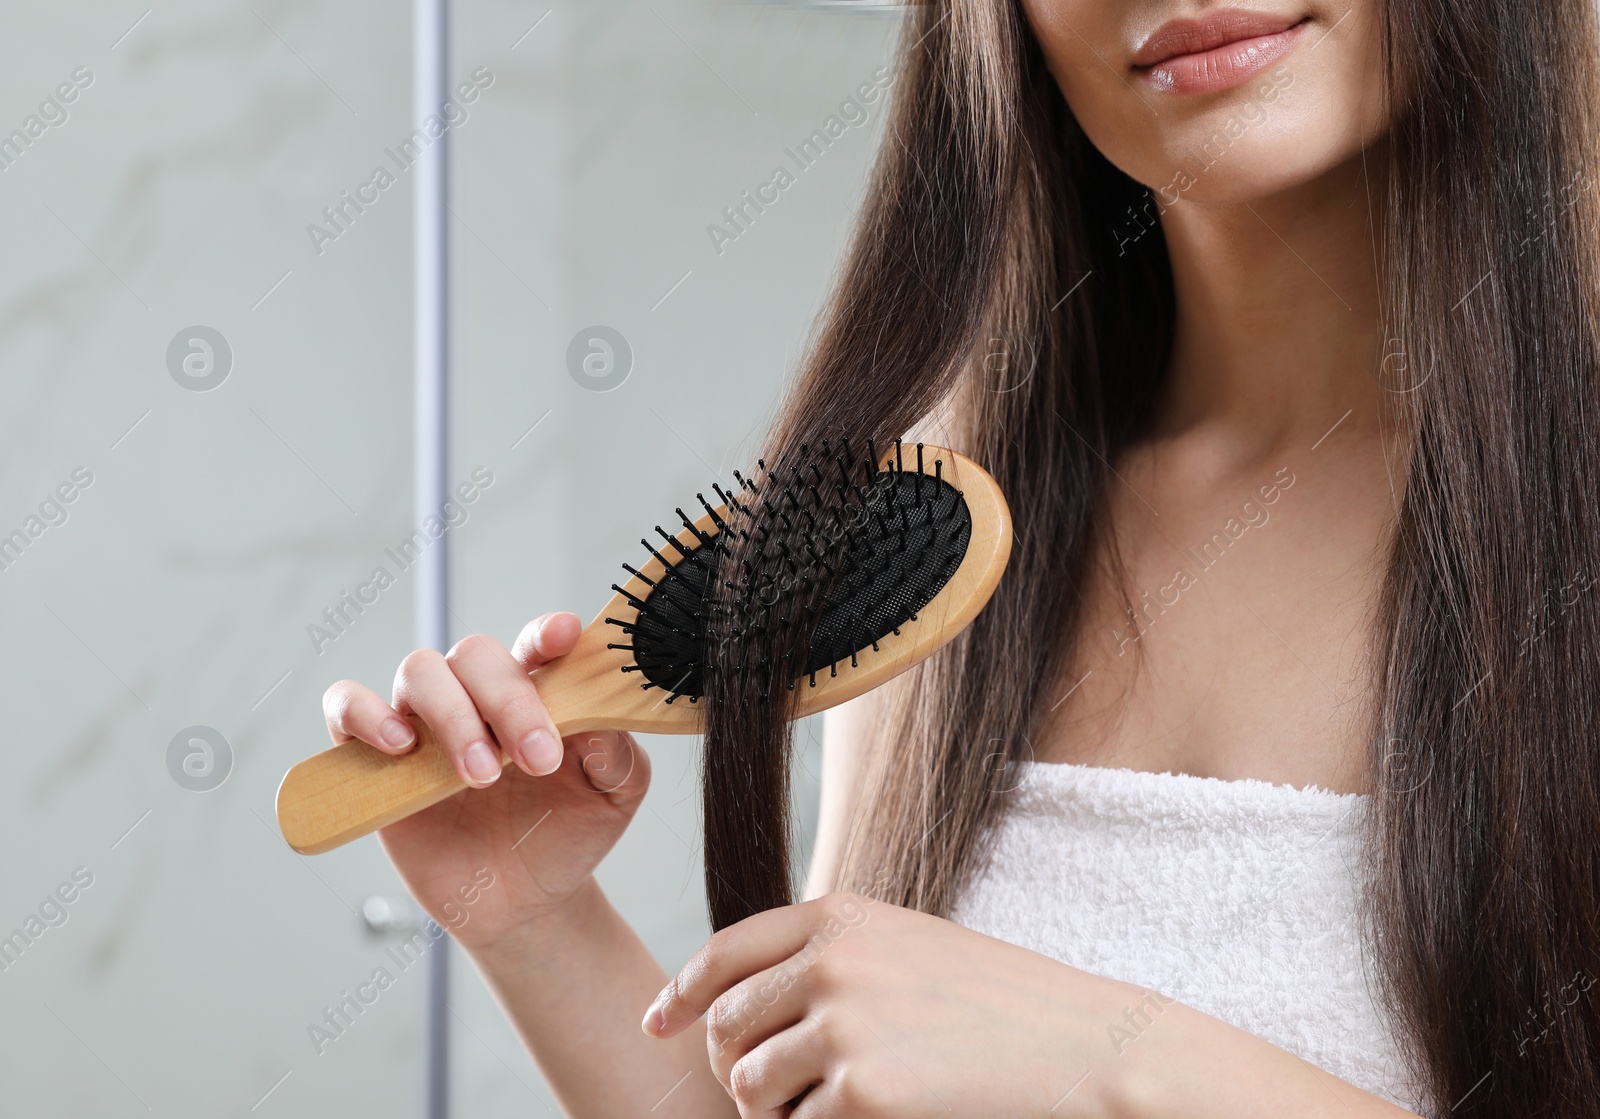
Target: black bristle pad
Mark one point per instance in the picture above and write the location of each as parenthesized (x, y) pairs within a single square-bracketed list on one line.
[(883, 545), (890, 583), (670, 633)]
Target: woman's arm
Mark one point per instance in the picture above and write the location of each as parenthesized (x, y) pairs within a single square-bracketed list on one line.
[(878, 1012), (1201, 1067), (845, 730), (574, 983)]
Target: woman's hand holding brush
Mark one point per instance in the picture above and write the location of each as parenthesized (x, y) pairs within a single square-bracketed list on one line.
[(543, 824)]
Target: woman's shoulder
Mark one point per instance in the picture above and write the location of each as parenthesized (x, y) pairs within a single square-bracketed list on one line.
[(847, 731)]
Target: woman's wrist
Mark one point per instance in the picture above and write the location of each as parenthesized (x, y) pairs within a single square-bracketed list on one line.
[(544, 930), (1114, 1082), (1135, 1081)]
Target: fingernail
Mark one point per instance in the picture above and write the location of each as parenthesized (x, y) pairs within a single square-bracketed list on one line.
[(541, 751), (655, 1019), (482, 765), (396, 734)]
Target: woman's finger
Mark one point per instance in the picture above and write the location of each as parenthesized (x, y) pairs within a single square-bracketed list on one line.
[(825, 1101), (545, 638), (426, 685), (508, 701), (740, 951), (354, 710), (614, 764), (750, 1012), (765, 1080)]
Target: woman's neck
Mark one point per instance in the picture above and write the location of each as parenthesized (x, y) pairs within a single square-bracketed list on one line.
[(1277, 315)]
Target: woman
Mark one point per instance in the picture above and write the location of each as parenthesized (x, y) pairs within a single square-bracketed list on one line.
[(1267, 783)]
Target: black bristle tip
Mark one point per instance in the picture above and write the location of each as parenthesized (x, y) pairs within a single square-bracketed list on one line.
[(637, 603), (631, 570), (728, 499), (673, 540), (692, 528), (663, 560), (716, 518)]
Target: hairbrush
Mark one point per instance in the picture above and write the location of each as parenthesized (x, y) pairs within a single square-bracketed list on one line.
[(889, 556)]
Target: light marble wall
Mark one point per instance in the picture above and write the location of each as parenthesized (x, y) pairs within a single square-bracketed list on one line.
[(219, 524)]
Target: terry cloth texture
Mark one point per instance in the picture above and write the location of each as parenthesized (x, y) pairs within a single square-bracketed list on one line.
[(1238, 898)]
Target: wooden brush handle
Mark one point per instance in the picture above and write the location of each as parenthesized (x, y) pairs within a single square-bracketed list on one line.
[(354, 788), (345, 792)]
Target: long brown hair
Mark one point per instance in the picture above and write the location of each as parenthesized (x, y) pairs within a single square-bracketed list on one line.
[(987, 275)]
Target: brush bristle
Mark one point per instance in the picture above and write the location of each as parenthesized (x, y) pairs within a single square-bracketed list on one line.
[(830, 543)]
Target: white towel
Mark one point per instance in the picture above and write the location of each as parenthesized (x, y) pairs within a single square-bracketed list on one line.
[(1237, 898)]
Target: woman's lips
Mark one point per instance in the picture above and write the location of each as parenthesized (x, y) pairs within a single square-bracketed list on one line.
[(1215, 53)]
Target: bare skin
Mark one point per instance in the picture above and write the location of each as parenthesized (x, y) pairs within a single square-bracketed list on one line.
[(1256, 670), (1253, 662)]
